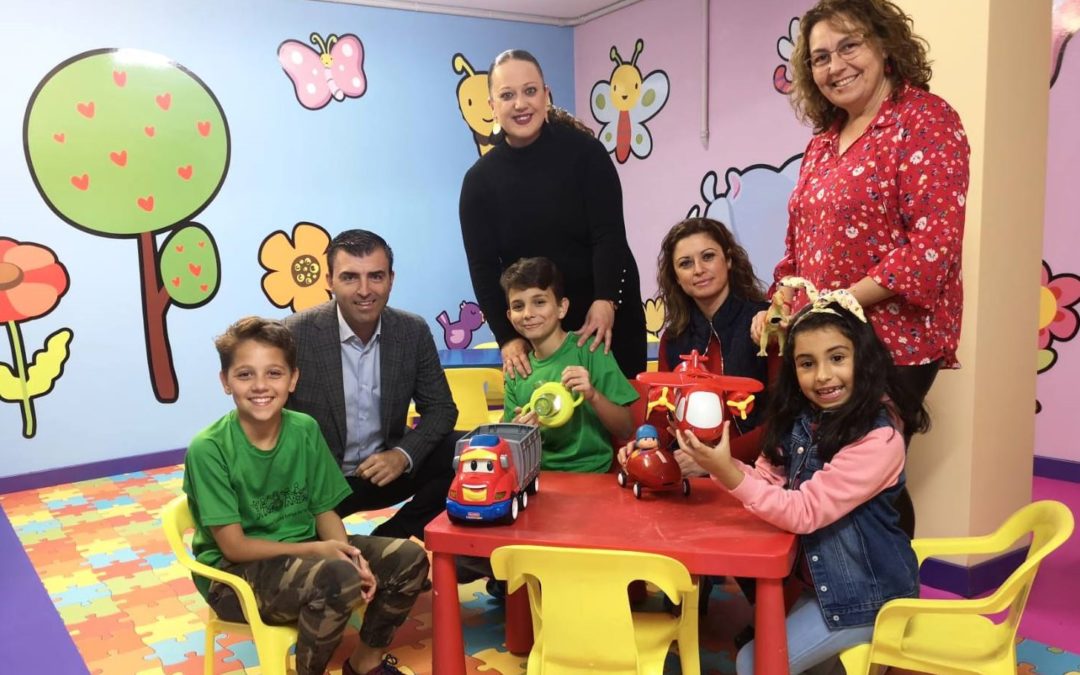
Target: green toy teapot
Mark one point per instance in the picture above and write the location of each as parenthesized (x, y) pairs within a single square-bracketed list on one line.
[(554, 404)]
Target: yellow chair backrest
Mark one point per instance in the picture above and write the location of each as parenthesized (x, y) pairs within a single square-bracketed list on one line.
[(957, 636), (486, 345), (271, 642), (581, 613), (471, 389)]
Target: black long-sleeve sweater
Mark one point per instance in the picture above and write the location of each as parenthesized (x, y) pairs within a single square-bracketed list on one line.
[(558, 197)]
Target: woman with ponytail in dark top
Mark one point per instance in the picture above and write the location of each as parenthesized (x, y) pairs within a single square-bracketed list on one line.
[(550, 189)]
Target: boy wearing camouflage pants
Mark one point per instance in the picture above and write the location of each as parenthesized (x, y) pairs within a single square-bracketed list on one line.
[(262, 487)]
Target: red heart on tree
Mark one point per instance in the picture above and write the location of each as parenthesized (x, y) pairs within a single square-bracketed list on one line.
[(146, 203), (86, 109), (119, 158), (119, 77), (59, 138), (179, 248), (184, 171), (176, 282), (164, 100), (81, 182), (202, 244), (149, 131), (203, 287), (195, 270), (204, 129)]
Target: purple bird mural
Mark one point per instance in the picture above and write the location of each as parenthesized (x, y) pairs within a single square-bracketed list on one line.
[(458, 334)]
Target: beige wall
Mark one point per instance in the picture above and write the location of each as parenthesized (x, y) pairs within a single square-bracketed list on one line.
[(991, 62)]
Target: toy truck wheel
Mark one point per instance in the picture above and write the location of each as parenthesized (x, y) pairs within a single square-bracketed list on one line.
[(637, 490), (513, 515), (523, 499), (534, 486), (685, 487), (622, 479)]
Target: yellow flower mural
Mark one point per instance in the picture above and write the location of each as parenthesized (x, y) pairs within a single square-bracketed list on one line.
[(295, 267), (654, 316)]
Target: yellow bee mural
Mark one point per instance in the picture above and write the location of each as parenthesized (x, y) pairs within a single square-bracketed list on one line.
[(626, 102), (472, 96)]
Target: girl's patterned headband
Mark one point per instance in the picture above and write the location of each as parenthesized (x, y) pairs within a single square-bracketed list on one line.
[(819, 302)]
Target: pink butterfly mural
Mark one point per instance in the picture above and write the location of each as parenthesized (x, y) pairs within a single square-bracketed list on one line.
[(335, 71)]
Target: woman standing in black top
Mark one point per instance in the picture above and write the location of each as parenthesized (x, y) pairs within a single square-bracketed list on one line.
[(550, 190)]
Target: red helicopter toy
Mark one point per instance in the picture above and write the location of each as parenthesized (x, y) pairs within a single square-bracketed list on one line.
[(701, 402)]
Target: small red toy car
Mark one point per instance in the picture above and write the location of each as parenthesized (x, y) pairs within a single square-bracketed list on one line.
[(650, 466)]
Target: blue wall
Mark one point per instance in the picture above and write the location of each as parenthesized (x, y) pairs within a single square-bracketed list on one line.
[(390, 161)]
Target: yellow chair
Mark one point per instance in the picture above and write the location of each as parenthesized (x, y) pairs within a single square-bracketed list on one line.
[(582, 621), (472, 388), (957, 636), (271, 642), (494, 394)]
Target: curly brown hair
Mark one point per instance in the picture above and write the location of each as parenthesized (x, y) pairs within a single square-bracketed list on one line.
[(742, 281), (882, 24)]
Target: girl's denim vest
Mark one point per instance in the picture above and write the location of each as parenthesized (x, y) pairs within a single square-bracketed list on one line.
[(864, 559)]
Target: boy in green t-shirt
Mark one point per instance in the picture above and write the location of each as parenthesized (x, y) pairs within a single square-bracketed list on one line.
[(262, 487), (534, 294)]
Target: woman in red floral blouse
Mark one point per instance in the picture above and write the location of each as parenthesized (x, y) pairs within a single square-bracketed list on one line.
[(879, 204)]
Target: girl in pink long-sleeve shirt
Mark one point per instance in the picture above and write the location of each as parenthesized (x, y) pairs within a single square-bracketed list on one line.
[(830, 471)]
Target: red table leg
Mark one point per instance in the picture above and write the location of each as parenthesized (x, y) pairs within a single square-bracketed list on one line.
[(770, 639), (519, 632), (449, 643)]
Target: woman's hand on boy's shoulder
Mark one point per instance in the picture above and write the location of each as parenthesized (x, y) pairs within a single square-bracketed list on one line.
[(515, 358), (598, 322)]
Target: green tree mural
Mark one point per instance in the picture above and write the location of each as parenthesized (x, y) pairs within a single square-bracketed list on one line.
[(128, 144)]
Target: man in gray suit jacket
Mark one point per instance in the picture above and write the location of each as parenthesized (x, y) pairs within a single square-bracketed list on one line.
[(361, 363)]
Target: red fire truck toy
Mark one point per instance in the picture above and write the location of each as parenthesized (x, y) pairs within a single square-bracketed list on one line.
[(497, 467)]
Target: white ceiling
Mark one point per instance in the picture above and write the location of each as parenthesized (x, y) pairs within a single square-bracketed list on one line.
[(557, 12)]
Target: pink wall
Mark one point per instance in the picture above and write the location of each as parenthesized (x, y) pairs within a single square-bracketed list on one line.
[(1055, 428), (750, 122)]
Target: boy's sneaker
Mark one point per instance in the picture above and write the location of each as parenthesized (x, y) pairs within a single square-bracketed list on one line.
[(387, 667)]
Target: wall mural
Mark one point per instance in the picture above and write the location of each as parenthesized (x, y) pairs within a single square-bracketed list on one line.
[(753, 204), (472, 98), (32, 281), (458, 334), (1065, 23), (784, 47), (655, 313), (335, 72), (1058, 318), (128, 144), (295, 267), (625, 102)]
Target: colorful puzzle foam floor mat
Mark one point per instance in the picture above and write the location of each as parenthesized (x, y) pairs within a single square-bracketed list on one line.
[(131, 609)]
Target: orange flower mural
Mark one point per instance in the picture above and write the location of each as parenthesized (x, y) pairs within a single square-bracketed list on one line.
[(32, 281), (296, 267)]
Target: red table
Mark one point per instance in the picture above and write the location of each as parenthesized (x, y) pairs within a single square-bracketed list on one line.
[(710, 532)]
